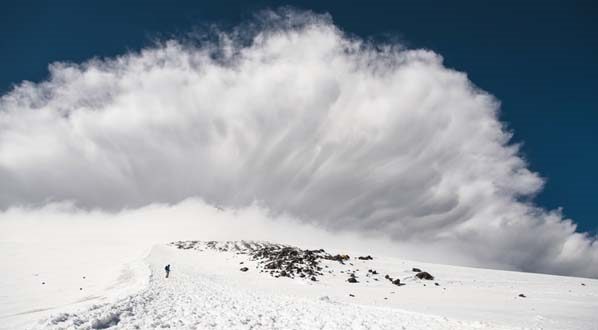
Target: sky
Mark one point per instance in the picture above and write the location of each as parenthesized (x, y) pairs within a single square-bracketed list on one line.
[(537, 57), (464, 127)]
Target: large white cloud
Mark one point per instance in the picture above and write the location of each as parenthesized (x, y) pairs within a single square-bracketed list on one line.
[(311, 123)]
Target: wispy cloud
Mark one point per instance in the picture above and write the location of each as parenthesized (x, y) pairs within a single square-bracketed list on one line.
[(325, 128)]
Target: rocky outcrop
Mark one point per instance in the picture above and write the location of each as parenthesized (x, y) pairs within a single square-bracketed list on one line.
[(424, 276)]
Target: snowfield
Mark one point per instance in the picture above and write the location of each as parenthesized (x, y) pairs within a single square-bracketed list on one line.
[(207, 290)]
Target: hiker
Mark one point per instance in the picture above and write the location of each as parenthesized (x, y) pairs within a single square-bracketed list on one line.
[(167, 269)]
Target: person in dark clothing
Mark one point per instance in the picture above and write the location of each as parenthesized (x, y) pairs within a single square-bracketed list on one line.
[(167, 269)]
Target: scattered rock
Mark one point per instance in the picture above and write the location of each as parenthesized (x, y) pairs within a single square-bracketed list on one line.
[(291, 261), (424, 276), (417, 270), (352, 280), (522, 295), (313, 278), (351, 295), (339, 257), (80, 289), (368, 257), (436, 284), (244, 269), (397, 282), (43, 283), (583, 284)]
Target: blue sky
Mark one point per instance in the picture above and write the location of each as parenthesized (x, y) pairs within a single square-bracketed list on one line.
[(539, 58)]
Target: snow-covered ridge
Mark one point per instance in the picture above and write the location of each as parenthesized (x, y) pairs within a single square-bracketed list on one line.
[(281, 260), (229, 285)]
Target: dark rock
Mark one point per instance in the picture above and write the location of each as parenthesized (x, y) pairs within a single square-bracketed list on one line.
[(397, 282), (351, 295), (43, 283), (352, 280), (339, 257), (366, 258), (424, 276), (244, 269), (583, 284), (417, 270), (522, 295), (436, 284), (313, 278)]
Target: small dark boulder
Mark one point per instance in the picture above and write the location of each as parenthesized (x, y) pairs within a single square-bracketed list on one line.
[(313, 278), (352, 280), (397, 282), (351, 295), (244, 269), (368, 257), (417, 270), (522, 295), (424, 276)]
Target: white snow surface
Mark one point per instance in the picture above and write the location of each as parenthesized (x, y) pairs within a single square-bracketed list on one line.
[(207, 290)]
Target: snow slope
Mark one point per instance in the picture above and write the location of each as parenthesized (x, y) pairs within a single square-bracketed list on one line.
[(40, 278), (207, 290)]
